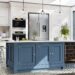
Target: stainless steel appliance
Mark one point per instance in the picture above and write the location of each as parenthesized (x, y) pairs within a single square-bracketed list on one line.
[(19, 22), (38, 26), (18, 35)]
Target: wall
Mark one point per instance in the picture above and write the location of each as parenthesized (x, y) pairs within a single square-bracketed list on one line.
[(55, 19)]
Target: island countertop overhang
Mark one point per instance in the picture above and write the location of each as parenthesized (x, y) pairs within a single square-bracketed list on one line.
[(37, 41)]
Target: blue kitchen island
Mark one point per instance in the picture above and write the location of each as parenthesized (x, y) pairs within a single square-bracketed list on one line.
[(34, 55)]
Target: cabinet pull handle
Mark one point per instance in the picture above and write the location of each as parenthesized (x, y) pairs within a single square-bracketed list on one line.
[(33, 55)]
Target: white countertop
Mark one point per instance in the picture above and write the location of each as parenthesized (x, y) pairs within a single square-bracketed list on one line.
[(37, 41)]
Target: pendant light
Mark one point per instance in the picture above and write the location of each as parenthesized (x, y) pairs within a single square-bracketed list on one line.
[(42, 12), (23, 7), (59, 6)]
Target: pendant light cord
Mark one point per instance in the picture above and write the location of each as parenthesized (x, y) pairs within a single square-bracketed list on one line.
[(59, 6), (42, 6), (23, 5)]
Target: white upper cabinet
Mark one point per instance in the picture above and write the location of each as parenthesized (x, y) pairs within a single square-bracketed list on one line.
[(4, 9)]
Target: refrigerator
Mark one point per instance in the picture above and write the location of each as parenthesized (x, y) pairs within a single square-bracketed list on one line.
[(38, 26)]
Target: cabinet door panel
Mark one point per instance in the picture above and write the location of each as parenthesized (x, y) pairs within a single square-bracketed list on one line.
[(25, 54), (56, 54), (42, 56)]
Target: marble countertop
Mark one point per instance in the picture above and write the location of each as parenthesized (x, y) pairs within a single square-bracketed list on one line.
[(38, 41)]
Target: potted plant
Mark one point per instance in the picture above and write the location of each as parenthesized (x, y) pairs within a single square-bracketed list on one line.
[(34, 34), (64, 31)]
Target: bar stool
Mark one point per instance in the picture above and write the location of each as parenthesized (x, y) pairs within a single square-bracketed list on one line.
[(1, 54)]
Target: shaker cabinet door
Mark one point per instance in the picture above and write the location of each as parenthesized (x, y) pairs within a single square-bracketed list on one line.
[(25, 55), (41, 58), (56, 54)]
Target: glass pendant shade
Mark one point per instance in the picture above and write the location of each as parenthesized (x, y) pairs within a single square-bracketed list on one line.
[(42, 12)]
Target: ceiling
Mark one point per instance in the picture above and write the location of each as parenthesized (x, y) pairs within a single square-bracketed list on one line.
[(57, 2)]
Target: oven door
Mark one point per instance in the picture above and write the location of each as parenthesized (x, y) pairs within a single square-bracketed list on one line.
[(20, 36)]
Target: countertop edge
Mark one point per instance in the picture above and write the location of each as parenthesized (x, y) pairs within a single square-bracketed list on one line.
[(37, 41)]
